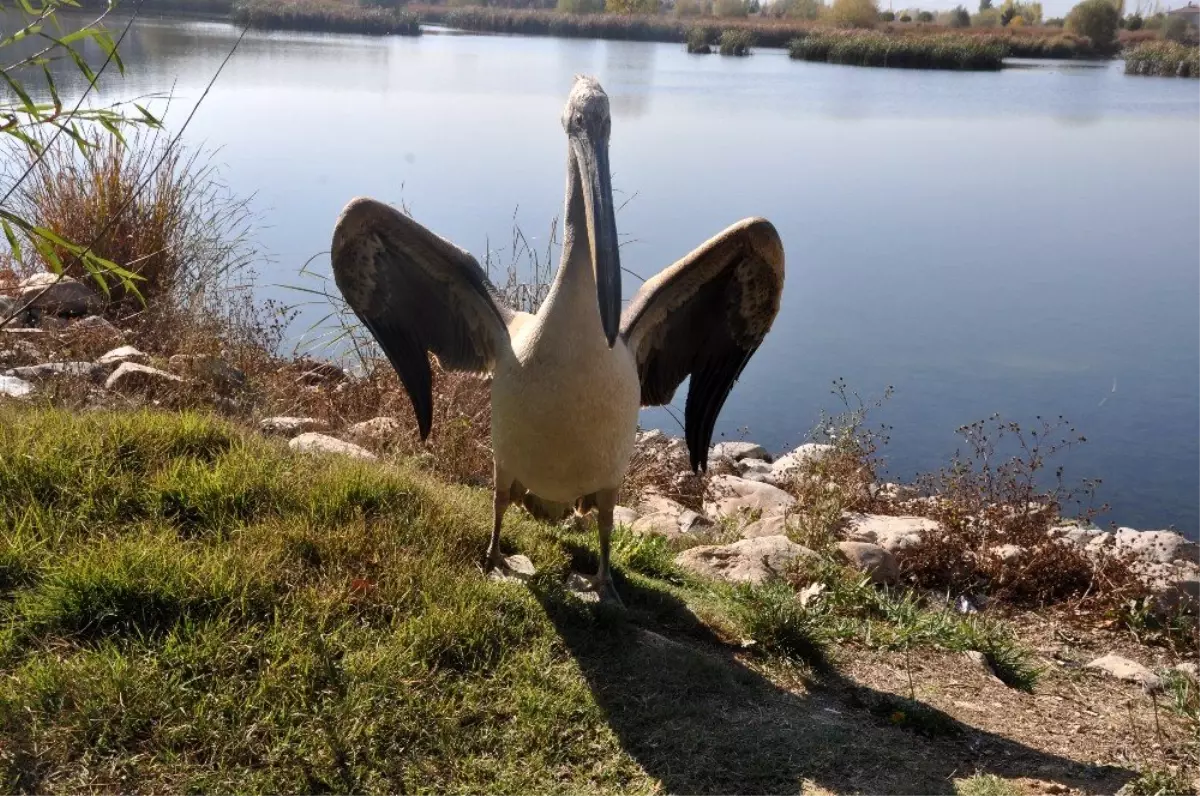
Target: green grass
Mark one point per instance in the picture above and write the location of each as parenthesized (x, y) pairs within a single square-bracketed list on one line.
[(873, 48), (736, 42), (984, 785), (1163, 58), (186, 606), (326, 16)]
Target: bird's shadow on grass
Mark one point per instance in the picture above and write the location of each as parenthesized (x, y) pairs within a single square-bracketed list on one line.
[(700, 720)]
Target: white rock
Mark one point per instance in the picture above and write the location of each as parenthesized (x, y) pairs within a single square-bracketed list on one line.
[(790, 463), (893, 491), (516, 568), (131, 378), (125, 353), (894, 534), (291, 426), (735, 495), (1009, 553), (376, 431), (738, 451), (1156, 547), (322, 443), (745, 561), (753, 467), (773, 525), (654, 503), (1188, 669), (870, 559), (14, 387), (657, 524), (59, 370), (1174, 586), (692, 521), (96, 327), (58, 295), (623, 515), (1125, 669)]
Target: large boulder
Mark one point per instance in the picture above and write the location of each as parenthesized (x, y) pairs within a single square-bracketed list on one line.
[(60, 370), (1156, 547), (58, 294), (657, 524), (96, 328), (771, 525), (738, 451), (734, 496), (623, 515), (131, 379), (323, 443), (745, 561), (893, 534), (870, 559), (789, 465), (125, 353), (13, 387)]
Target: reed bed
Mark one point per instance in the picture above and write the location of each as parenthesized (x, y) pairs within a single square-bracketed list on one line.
[(736, 41), (331, 17), (1164, 59), (872, 48)]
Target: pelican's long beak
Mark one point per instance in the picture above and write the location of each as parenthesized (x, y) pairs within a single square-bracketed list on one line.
[(592, 159)]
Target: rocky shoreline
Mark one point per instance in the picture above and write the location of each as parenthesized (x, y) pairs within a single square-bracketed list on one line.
[(737, 530)]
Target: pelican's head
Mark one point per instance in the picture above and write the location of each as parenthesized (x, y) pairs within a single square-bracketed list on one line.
[(588, 124)]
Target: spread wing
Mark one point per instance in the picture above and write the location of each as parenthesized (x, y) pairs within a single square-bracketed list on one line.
[(417, 294), (704, 317)]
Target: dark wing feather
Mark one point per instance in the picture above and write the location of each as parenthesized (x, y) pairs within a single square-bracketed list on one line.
[(417, 294), (704, 317)]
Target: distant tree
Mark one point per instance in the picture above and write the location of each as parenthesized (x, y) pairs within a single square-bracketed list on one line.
[(988, 18), (1055, 22), (1154, 21), (754, 7), (1096, 19), (887, 16), (854, 13), (1176, 29), (905, 18), (924, 16), (984, 5), (1134, 21), (631, 6), (580, 6), (959, 18)]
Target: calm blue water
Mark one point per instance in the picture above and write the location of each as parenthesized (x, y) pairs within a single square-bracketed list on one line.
[(1015, 242)]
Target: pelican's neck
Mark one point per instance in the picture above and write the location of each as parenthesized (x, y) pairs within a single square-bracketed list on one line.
[(572, 305)]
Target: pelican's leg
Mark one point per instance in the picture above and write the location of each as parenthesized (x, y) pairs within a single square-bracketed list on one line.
[(501, 489), (605, 502)]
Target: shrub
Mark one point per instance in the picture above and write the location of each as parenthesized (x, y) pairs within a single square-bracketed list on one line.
[(1055, 22), (736, 42), (1096, 19), (698, 41), (924, 16), (1175, 29), (1131, 22), (631, 6), (905, 18), (959, 18), (937, 51), (797, 9), (887, 16), (729, 8), (1163, 58), (692, 8), (854, 13), (988, 18)]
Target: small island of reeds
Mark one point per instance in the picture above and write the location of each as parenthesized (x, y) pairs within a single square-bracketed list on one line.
[(1163, 58), (326, 16), (873, 48)]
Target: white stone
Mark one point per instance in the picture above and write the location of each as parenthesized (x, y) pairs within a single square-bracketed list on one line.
[(58, 295), (745, 561), (1125, 669), (53, 370), (654, 503), (125, 353), (322, 443), (1009, 553), (291, 426), (738, 451), (623, 515), (131, 378), (14, 387), (1156, 547), (659, 523), (790, 463), (735, 495), (870, 559), (894, 534), (1174, 586), (692, 521)]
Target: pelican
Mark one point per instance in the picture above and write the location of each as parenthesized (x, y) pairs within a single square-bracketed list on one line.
[(568, 381)]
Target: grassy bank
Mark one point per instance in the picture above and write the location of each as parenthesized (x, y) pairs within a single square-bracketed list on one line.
[(1163, 58), (327, 16), (870, 48)]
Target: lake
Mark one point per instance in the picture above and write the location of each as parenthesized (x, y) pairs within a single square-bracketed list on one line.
[(1024, 242)]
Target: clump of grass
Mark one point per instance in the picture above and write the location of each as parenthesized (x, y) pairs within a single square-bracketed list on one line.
[(985, 785), (1163, 58), (698, 41), (736, 42), (326, 15), (775, 620), (874, 48), (1157, 782)]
